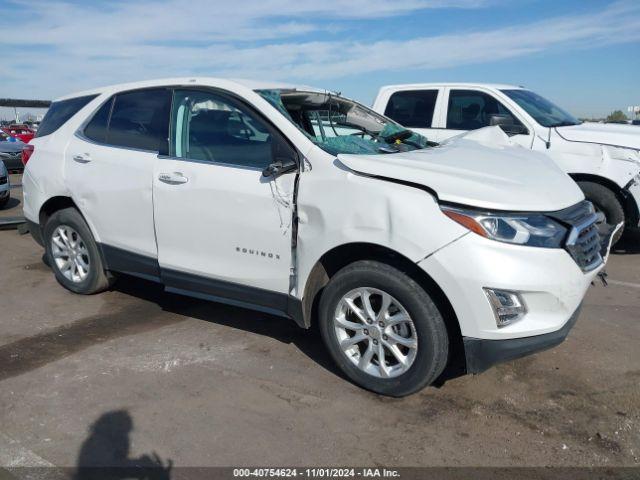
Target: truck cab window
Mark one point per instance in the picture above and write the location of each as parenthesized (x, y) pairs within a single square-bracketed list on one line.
[(412, 108), (470, 110)]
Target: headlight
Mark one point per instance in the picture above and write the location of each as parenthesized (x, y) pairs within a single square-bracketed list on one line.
[(531, 229), (622, 153)]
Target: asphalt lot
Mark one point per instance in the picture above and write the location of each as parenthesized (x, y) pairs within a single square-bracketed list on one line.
[(133, 371)]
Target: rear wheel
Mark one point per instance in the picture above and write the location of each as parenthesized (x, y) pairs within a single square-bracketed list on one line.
[(382, 329), (73, 254), (4, 201), (604, 200)]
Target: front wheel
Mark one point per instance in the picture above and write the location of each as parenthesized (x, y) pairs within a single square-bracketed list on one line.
[(382, 329), (72, 253), (605, 200)]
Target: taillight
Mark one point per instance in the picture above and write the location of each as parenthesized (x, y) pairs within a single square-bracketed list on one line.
[(27, 151)]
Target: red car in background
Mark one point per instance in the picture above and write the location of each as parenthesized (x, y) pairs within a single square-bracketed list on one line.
[(20, 131)]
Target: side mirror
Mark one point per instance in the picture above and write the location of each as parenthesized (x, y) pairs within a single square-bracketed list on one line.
[(280, 166), (284, 158), (501, 120), (508, 124)]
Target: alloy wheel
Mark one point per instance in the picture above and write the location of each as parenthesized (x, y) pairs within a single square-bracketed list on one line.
[(70, 254), (375, 332)]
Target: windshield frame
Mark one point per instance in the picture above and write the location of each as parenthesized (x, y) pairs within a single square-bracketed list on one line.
[(523, 98)]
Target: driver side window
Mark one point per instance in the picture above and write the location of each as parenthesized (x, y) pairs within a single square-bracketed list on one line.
[(208, 127), (470, 110)]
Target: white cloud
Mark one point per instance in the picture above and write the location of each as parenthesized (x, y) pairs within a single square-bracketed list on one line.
[(87, 46)]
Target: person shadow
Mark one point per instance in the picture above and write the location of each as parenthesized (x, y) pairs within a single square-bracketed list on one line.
[(105, 454)]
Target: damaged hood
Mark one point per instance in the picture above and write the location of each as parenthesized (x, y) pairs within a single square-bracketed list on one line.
[(478, 174), (605, 133)]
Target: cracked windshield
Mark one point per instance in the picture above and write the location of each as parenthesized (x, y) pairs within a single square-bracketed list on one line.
[(338, 125)]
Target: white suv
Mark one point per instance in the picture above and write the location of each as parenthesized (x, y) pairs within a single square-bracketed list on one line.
[(302, 203), (603, 159)]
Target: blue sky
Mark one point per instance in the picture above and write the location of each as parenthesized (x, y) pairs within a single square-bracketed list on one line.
[(583, 54)]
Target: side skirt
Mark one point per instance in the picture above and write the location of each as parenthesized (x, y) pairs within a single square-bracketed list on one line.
[(183, 283), (135, 264)]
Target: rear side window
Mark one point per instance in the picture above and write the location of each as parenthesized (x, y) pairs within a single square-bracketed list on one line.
[(139, 119), (412, 108), (60, 112)]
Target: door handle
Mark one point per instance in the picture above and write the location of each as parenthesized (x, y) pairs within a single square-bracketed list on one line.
[(86, 158), (175, 178)]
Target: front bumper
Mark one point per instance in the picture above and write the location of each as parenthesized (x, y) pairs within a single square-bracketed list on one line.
[(549, 281), (12, 160), (481, 354), (35, 231)]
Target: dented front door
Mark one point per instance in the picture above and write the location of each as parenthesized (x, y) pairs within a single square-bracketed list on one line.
[(218, 221)]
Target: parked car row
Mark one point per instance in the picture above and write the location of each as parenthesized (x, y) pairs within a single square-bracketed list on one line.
[(20, 131), (413, 256)]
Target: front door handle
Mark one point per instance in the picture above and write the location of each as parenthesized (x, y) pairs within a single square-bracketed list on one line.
[(86, 158), (175, 178)]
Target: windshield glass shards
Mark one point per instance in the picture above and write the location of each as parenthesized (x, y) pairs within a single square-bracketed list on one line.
[(338, 125)]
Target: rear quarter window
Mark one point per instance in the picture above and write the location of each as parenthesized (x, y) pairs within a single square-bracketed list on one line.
[(60, 112), (96, 129)]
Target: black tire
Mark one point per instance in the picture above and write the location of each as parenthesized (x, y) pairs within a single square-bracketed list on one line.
[(431, 331), (97, 279), (605, 201), (4, 201)]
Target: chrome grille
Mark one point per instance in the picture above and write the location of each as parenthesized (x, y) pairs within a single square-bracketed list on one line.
[(583, 242)]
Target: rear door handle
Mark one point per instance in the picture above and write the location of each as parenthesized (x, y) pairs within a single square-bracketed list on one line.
[(86, 158), (175, 178)]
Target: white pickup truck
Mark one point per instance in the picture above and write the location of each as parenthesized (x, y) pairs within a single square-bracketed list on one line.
[(604, 159)]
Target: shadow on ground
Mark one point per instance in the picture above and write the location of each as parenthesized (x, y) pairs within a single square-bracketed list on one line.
[(12, 203), (105, 454)]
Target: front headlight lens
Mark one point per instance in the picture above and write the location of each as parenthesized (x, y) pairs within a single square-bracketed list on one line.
[(531, 229)]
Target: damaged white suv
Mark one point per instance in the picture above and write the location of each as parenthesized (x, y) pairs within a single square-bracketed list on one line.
[(299, 202)]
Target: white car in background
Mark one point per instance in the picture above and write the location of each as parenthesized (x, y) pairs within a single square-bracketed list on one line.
[(299, 202), (604, 159)]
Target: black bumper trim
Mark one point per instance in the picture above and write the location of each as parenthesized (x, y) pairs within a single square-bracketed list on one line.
[(35, 231), (481, 354)]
